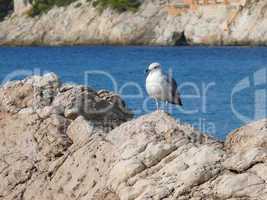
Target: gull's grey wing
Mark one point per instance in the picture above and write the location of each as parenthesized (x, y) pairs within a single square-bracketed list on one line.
[(175, 95)]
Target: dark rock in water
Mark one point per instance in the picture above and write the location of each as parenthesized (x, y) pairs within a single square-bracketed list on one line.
[(58, 145)]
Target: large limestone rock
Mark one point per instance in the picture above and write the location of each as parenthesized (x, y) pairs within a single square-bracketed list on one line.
[(44, 95), (156, 22), (48, 153), (247, 146)]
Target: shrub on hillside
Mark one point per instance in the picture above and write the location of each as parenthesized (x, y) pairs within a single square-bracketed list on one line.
[(118, 5), (43, 6), (5, 7)]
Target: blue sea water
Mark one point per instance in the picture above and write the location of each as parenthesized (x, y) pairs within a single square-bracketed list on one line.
[(222, 88)]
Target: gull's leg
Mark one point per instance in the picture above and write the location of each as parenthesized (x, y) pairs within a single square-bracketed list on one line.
[(157, 104), (162, 105), (166, 105)]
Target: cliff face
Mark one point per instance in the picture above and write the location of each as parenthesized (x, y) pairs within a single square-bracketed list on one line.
[(53, 147), (155, 23)]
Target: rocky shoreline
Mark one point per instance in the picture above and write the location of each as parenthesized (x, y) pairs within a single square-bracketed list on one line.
[(155, 23), (63, 141)]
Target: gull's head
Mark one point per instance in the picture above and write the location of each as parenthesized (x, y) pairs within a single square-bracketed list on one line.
[(153, 67)]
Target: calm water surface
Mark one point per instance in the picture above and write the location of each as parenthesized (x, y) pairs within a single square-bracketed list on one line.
[(206, 76)]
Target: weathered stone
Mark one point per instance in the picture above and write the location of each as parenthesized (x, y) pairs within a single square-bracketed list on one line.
[(247, 146), (80, 130), (45, 154), (253, 135), (239, 185), (34, 92)]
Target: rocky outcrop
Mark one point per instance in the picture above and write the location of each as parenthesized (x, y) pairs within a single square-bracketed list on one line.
[(53, 147), (155, 23), (44, 95)]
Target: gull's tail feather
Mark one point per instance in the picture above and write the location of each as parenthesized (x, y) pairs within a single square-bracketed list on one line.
[(177, 100)]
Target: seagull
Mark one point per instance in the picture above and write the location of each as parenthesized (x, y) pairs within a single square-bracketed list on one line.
[(161, 87)]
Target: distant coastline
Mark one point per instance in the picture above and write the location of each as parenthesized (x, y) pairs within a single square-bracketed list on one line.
[(152, 23)]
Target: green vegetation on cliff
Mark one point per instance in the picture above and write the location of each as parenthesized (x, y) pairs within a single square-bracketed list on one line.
[(5, 7), (43, 6), (118, 5)]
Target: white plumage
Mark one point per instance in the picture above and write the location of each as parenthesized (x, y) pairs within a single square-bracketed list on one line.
[(161, 86)]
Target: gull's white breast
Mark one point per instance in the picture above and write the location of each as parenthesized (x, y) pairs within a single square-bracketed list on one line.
[(156, 85)]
